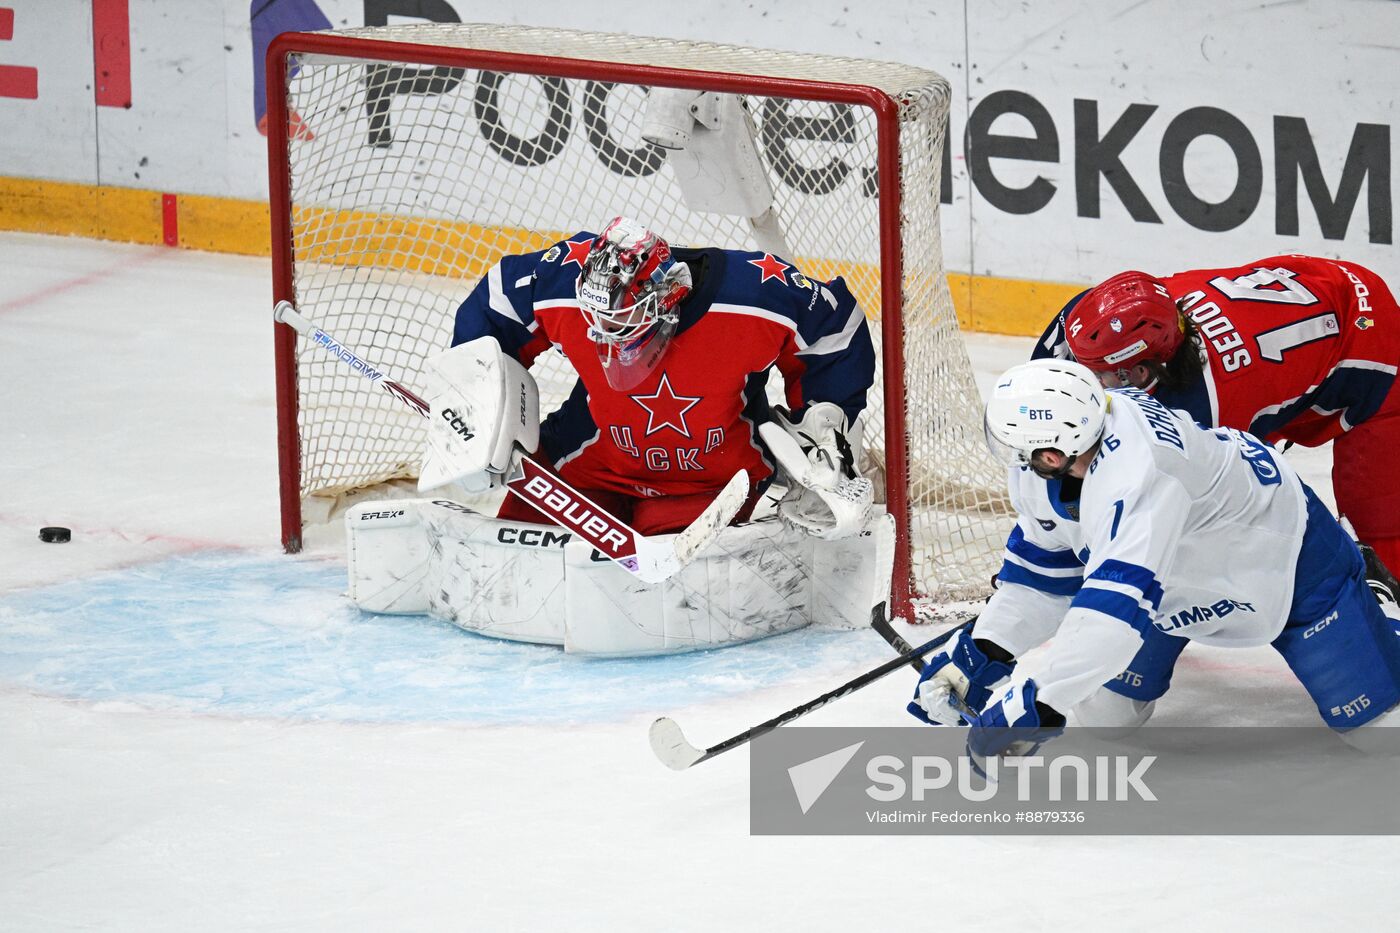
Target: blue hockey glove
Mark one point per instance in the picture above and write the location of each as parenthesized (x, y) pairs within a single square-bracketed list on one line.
[(958, 678), (1015, 725)]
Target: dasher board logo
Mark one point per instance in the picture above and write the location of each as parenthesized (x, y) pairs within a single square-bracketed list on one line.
[(1157, 781)]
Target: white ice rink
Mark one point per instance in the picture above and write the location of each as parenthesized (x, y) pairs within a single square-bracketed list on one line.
[(198, 733)]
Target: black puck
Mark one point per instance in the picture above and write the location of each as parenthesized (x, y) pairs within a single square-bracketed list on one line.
[(55, 534)]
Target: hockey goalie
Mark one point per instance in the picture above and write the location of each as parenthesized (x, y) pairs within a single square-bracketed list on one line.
[(673, 350)]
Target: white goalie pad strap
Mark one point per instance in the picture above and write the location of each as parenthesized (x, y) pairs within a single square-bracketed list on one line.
[(496, 577), (482, 405), (756, 580)]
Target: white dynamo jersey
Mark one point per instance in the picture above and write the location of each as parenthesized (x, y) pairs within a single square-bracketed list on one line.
[(1191, 530)]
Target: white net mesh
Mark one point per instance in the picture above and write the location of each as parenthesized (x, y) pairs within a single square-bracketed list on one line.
[(409, 181)]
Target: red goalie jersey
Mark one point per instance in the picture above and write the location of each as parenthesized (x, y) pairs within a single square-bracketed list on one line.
[(656, 452)]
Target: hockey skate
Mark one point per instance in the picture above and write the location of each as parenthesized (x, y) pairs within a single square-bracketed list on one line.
[(1382, 582)]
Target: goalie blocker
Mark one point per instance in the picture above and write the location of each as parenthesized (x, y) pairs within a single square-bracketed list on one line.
[(541, 584)]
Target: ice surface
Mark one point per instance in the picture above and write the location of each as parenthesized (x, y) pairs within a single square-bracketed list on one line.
[(271, 636), (196, 732)]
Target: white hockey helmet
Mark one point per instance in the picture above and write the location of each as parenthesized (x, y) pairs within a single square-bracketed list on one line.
[(1054, 404)]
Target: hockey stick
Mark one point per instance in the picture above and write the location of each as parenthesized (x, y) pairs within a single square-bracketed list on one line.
[(652, 559), (896, 641), (670, 745)]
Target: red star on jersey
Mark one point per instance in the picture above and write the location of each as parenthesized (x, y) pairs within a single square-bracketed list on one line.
[(578, 252), (772, 268), (666, 409)]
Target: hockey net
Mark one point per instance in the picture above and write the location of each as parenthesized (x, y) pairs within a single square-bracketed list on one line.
[(406, 160)]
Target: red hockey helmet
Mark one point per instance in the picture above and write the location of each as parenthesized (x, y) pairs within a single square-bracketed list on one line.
[(1128, 319)]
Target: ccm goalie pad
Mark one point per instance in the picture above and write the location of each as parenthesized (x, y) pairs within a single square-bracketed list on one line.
[(482, 405), (825, 498), (536, 583)]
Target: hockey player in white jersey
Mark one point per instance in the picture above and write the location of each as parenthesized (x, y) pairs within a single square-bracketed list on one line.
[(1138, 530)]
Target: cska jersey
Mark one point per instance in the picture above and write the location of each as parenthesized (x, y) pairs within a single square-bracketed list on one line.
[(1297, 348), (1176, 528), (691, 424)]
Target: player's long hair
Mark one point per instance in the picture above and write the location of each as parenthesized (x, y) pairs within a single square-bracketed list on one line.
[(1186, 363)]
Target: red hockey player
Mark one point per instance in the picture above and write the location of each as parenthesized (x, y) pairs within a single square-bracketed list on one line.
[(672, 350), (1291, 348)]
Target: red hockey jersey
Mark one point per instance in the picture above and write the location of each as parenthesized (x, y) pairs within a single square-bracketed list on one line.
[(1298, 348), (691, 424)]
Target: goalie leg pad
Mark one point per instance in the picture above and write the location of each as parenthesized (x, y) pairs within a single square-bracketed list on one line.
[(753, 582), (387, 556), (531, 582), (756, 580), (499, 578), (852, 574)]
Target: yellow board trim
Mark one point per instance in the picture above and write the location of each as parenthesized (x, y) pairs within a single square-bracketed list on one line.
[(101, 213), (228, 225), (225, 225)]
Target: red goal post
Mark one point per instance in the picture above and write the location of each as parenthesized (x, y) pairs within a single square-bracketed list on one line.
[(405, 160)]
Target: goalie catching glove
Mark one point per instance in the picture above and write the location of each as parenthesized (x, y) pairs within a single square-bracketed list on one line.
[(482, 406), (826, 498)]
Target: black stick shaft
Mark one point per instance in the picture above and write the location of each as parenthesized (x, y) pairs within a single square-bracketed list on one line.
[(849, 687), (886, 631)]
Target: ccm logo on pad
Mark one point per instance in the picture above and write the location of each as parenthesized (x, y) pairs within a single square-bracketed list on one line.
[(452, 418), (533, 537)]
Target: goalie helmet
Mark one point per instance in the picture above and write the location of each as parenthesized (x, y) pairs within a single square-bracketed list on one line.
[(1044, 404), (628, 291), (1126, 320)]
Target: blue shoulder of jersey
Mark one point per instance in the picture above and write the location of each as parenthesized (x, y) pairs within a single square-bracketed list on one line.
[(778, 288), (556, 269), (502, 305), (1194, 399)]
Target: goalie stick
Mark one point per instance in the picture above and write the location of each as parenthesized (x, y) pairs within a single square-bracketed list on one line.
[(651, 558), (670, 745)]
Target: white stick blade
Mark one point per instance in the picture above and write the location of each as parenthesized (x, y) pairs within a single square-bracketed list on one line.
[(703, 531), (670, 745), (661, 558)]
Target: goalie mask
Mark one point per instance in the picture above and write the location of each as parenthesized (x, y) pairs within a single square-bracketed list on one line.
[(628, 291), (1044, 405)]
